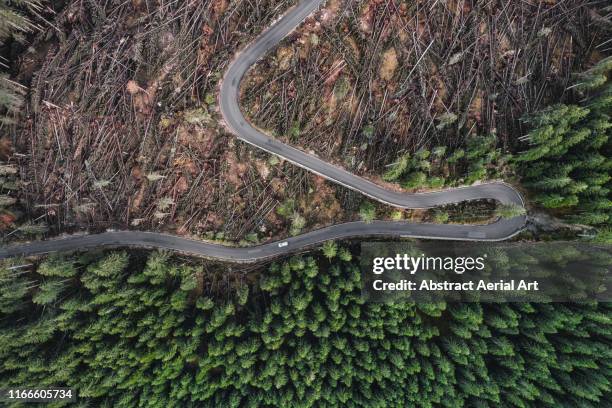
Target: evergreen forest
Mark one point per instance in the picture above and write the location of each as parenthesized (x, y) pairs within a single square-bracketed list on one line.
[(567, 161), (150, 330)]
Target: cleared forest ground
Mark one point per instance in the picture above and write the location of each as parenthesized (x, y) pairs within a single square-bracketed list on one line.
[(365, 82), (121, 129), (121, 125)]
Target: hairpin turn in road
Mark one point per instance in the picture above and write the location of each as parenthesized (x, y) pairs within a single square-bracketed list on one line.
[(229, 99)]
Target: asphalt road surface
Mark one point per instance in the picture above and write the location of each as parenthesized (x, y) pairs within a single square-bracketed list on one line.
[(229, 98), (253, 254)]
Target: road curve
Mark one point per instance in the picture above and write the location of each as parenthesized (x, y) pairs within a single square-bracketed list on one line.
[(229, 98)]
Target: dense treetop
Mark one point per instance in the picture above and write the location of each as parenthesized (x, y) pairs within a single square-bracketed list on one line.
[(567, 162), (126, 331)]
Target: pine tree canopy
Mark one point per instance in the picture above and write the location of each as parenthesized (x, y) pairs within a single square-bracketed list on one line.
[(146, 330), (567, 161)]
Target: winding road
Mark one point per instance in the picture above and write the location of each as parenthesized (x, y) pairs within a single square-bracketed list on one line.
[(229, 98)]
